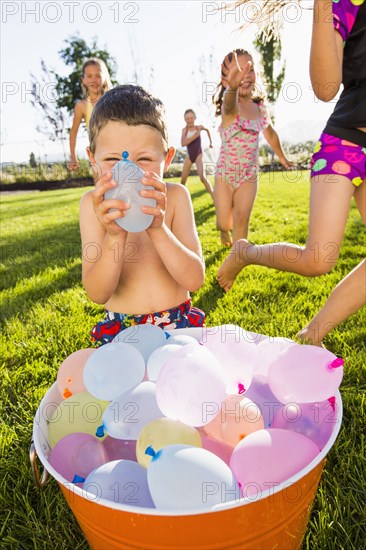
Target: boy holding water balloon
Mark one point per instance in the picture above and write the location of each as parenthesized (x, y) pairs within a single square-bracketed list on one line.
[(141, 277)]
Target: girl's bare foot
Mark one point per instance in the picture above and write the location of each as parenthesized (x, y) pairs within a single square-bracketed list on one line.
[(226, 239), (234, 263), (307, 336)]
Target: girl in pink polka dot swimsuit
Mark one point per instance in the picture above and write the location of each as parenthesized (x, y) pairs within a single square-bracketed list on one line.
[(243, 117), (337, 56)]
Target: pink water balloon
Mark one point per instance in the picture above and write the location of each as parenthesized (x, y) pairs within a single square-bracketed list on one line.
[(235, 350), (189, 382), (76, 455), (118, 449), (70, 374), (266, 458), (314, 420), (260, 393), (268, 350), (305, 374), (218, 448)]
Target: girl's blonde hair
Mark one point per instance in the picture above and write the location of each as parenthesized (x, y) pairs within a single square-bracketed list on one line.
[(218, 97), (106, 79)]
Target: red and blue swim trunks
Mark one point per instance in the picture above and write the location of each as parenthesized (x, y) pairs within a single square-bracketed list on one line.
[(181, 316), (333, 155)]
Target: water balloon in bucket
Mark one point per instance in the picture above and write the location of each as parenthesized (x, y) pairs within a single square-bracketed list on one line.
[(145, 338), (314, 420), (120, 448), (79, 413), (112, 370), (76, 455), (128, 177), (181, 340), (130, 412), (158, 358), (235, 350), (265, 458), (190, 381), (238, 417), (162, 432), (70, 374), (122, 481), (305, 374), (184, 477)]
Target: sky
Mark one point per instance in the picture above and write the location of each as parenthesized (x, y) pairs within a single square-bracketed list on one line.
[(168, 43)]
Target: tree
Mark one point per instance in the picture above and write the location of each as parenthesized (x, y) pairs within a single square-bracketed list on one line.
[(32, 161), (44, 100), (54, 96), (270, 49)]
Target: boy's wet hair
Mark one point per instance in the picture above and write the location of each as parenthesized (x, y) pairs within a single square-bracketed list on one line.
[(129, 104)]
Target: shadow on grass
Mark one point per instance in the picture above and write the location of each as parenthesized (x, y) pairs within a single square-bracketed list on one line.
[(24, 257), (204, 214), (198, 194), (22, 302)]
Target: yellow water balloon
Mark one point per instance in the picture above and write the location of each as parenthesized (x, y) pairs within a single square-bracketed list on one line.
[(162, 432), (79, 413)]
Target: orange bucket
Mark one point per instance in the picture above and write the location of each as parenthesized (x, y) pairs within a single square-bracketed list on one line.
[(275, 519)]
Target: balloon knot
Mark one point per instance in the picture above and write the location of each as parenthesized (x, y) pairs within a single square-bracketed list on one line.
[(241, 388), (150, 451), (100, 431), (125, 155), (332, 402), (167, 335), (67, 393), (78, 479), (338, 362)]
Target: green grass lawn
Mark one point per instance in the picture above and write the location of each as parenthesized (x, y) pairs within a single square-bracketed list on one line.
[(46, 315)]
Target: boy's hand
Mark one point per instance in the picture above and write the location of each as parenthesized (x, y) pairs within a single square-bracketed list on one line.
[(158, 194), (103, 206), (231, 73)]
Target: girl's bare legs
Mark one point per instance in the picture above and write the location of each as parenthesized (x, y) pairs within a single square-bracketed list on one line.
[(223, 200), (201, 173), (243, 199), (186, 169), (330, 198), (346, 298)]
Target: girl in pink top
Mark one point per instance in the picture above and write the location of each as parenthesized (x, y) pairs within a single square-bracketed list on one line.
[(244, 115)]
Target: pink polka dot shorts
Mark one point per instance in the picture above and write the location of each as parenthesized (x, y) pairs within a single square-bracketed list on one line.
[(333, 155)]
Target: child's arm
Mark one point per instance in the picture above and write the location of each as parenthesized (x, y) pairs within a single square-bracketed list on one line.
[(103, 241), (232, 76), (326, 54), (78, 116), (209, 136), (178, 248), (274, 142), (186, 141)]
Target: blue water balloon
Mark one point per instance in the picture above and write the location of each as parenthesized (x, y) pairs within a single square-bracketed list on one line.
[(128, 176)]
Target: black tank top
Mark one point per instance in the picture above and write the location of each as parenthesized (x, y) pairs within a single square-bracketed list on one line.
[(350, 110)]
